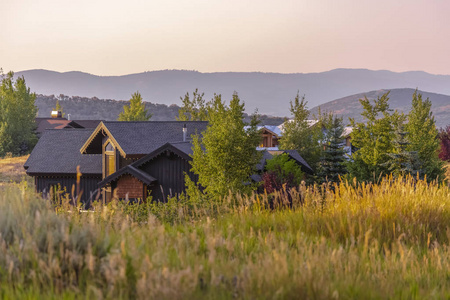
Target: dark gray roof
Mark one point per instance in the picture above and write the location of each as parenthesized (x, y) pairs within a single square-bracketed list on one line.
[(137, 173), (58, 152), (185, 147), (87, 123), (295, 155), (182, 149), (50, 123), (141, 138), (292, 153)]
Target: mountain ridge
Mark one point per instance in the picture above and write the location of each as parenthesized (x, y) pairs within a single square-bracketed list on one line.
[(269, 92)]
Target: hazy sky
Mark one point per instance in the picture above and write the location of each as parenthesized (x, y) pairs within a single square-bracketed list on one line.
[(115, 37)]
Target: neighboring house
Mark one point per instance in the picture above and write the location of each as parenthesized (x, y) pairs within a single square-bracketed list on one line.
[(56, 121)]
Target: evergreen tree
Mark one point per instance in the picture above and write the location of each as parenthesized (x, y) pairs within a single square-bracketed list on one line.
[(373, 139), (135, 111), (17, 116), (402, 162), (333, 160), (423, 137), (193, 110), (299, 134), (226, 156)]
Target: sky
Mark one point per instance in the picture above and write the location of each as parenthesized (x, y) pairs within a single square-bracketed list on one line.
[(117, 37)]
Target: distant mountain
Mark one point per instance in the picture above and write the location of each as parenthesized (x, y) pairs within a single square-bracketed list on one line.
[(269, 92), (399, 99)]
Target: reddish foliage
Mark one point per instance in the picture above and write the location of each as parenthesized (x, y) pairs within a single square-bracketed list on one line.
[(272, 181), (444, 136)]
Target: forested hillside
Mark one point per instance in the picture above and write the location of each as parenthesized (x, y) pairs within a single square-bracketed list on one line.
[(83, 108), (399, 99)]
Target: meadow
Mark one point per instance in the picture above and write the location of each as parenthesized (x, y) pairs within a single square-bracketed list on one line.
[(389, 240)]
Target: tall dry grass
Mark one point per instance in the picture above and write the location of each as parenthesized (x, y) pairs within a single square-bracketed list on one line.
[(389, 240)]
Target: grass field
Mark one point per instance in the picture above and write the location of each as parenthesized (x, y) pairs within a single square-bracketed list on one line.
[(11, 169), (385, 241)]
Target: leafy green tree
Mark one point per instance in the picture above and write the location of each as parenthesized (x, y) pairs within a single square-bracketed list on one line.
[(226, 156), (373, 139), (333, 160), (299, 134), (281, 171), (58, 107), (423, 137), (135, 111), (17, 116), (195, 109)]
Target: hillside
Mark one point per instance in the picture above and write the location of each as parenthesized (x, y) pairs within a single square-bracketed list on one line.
[(83, 108), (269, 92), (399, 99)]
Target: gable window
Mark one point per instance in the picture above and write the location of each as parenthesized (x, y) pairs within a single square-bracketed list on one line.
[(110, 159)]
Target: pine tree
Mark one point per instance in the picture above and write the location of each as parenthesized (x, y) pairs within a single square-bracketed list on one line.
[(193, 110), (333, 160), (226, 156), (402, 162), (424, 137), (17, 116), (135, 111)]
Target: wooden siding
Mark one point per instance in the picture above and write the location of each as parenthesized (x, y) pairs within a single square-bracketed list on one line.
[(168, 169), (88, 184)]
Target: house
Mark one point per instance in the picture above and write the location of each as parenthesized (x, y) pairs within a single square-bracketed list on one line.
[(56, 121), (131, 159)]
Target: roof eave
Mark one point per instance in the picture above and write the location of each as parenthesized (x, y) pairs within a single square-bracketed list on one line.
[(101, 126)]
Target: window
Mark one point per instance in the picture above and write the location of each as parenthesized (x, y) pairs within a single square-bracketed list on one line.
[(110, 159), (109, 147), (110, 164)]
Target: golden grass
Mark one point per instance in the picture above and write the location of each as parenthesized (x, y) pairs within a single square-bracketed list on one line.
[(384, 241), (11, 169)]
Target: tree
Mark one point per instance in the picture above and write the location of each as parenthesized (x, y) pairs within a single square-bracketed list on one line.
[(332, 163), (423, 137), (373, 139), (444, 137), (281, 171), (226, 156), (299, 134), (58, 107), (402, 162), (135, 111), (193, 110), (17, 116)]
